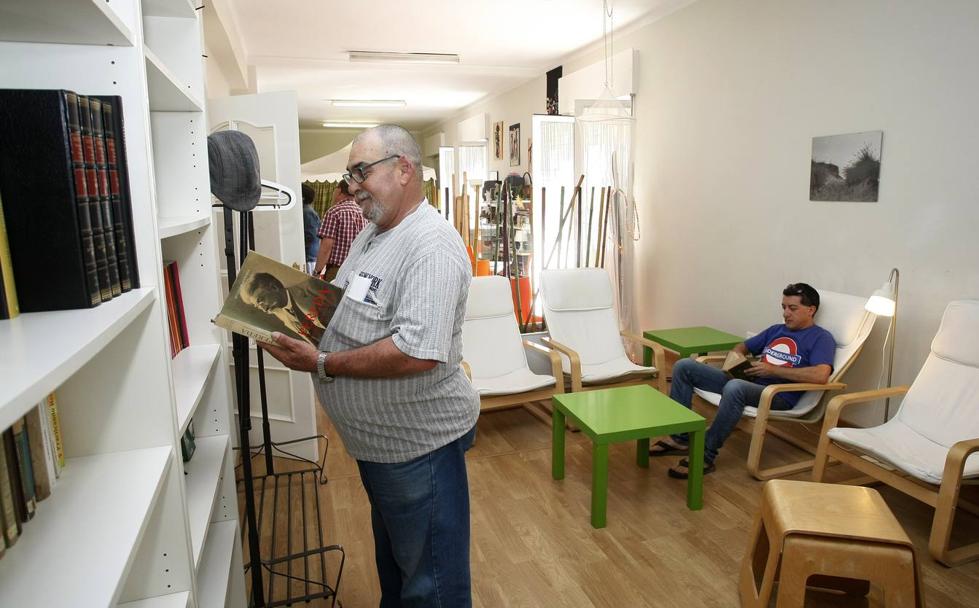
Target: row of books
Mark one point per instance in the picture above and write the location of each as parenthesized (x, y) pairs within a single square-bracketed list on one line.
[(31, 462), (179, 337), (66, 199)]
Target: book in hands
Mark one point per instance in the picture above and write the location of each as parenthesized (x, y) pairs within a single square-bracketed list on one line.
[(736, 365), (268, 296)]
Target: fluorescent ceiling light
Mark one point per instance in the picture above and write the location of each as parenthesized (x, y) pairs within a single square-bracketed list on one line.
[(368, 103), (403, 57), (330, 124)]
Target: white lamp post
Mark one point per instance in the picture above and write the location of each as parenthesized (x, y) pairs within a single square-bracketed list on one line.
[(884, 303)]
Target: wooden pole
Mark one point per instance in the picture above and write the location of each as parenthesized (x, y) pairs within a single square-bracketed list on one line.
[(609, 201), (598, 232), (560, 234), (591, 214)]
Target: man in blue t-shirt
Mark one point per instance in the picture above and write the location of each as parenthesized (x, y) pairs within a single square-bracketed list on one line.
[(795, 351)]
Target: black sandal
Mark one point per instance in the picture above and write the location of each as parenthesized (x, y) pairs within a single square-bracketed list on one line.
[(667, 450), (675, 474)]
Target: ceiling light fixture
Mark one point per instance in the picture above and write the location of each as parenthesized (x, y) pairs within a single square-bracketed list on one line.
[(387, 56), (368, 103), (349, 125)]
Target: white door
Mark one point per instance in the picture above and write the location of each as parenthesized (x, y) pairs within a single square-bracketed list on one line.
[(272, 121)]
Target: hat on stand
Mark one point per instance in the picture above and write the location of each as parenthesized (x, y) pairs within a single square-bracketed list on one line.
[(233, 163)]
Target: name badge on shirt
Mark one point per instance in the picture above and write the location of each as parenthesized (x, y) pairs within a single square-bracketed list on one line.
[(358, 288)]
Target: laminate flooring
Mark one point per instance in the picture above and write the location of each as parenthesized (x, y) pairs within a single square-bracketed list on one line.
[(533, 545)]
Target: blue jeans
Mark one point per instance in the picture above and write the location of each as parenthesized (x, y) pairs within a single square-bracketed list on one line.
[(420, 518), (735, 396)]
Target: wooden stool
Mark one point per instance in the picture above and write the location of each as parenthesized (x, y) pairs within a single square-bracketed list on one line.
[(828, 536)]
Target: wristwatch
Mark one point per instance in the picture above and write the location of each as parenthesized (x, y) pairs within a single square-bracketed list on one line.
[(321, 367)]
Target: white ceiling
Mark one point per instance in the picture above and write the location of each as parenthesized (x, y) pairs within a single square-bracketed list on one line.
[(301, 45)]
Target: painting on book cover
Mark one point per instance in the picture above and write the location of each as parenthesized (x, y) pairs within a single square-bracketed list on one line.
[(270, 296)]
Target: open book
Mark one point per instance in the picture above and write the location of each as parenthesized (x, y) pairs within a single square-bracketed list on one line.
[(736, 364), (269, 296)]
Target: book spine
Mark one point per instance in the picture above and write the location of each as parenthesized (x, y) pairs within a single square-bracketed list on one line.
[(13, 473), (105, 205), (9, 291), (115, 196), (4, 311), (119, 135), (11, 525), (35, 444), (56, 431), (171, 310), (179, 303), (82, 199), (250, 331), (50, 456), (95, 209), (24, 466)]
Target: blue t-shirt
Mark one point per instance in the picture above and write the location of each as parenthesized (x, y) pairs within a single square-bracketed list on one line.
[(781, 346)]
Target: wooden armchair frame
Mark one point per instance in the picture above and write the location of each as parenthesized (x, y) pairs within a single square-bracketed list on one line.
[(659, 362), (944, 500)]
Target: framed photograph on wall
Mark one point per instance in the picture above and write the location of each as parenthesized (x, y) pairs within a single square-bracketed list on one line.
[(498, 140), (846, 167), (515, 145)]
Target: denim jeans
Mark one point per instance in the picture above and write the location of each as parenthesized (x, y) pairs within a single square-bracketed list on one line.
[(420, 518), (735, 396)]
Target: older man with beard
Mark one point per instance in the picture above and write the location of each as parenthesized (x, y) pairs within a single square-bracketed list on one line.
[(388, 373)]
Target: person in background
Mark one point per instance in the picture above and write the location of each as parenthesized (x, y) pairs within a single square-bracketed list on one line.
[(341, 225), (797, 350), (311, 226), (388, 371)]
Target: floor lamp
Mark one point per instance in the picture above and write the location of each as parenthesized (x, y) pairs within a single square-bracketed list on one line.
[(884, 304)]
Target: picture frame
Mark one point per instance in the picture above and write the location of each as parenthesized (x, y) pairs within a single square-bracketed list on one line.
[(515, 145), (498, 140)]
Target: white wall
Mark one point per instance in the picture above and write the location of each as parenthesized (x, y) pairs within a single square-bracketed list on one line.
[(731, 93), (511, 107)]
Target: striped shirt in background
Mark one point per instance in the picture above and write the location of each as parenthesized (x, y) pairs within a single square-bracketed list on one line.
[(409, 283), (342, 223)]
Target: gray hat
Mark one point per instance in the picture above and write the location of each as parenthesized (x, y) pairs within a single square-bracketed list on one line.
[(233, 163)]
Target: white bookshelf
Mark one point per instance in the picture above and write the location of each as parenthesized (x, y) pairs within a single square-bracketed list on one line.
[(128, 523)]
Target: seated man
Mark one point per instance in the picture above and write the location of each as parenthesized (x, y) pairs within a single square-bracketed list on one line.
[(796, 351)]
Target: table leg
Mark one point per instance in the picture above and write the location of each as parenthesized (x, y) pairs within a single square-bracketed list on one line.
[(599, 484), (642, 452), (557, 443), (695, 471)]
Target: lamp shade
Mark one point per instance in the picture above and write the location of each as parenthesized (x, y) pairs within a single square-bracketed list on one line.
[(882, 303)]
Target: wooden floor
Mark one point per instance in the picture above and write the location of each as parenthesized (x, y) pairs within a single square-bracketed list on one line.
[(532, 544)]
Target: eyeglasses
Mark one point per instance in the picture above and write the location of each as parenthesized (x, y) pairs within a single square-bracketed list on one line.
[(358, 173)]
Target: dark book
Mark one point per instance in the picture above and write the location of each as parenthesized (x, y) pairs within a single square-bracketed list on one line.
[(105, 205), (119, 197), (179, 305), (13, 474), (173, 313), (8, 514), (24, 467), (45, 201), (8, 291), (95, 208), (736, 364), (38, 458)]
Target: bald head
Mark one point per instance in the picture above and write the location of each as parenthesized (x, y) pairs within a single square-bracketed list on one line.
[(392, 139)]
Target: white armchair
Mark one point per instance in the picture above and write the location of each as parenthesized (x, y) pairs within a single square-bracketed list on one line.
[(931, 440), (584, 328), (843, 316), (493, 351)]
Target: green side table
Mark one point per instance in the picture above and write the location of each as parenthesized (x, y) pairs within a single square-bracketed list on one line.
[(625, 414), (686, 341)]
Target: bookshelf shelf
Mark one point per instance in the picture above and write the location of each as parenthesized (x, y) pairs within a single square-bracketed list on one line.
[(31, 367), (167, 92), (168, 8), (192, 369), (203, 472), (63, 21), (97, 515), (173, 600), (215, 564), (175, 226)]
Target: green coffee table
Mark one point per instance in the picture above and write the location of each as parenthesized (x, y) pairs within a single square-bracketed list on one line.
[(686, 341), (625, 414)]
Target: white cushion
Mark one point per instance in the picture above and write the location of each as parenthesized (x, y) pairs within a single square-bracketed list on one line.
[(902, 447), (616, 369), (800, 409), (580, 315), (518, 381), (940, 409), (491, 342)]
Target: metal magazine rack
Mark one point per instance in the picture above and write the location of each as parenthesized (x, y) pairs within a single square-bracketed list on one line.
[(287, 558)]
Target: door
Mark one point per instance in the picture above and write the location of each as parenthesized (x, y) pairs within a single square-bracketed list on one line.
[(272, 121)]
